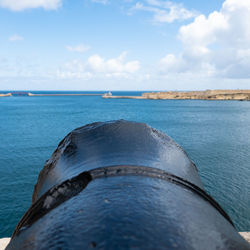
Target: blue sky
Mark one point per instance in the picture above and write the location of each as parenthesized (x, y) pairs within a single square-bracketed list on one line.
[(124, 44)]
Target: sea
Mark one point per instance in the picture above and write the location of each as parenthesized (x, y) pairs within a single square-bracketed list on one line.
[(215, 135)]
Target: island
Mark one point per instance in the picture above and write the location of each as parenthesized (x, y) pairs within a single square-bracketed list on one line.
[(240, 95)]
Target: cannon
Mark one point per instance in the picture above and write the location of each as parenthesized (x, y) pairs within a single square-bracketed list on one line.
[(122, 185)]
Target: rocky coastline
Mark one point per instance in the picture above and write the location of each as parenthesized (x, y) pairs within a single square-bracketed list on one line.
[(5, 95), (239, 95)]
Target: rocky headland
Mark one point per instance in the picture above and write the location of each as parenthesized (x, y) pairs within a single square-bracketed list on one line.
[(201, 95), (5, 95), (240, 95)]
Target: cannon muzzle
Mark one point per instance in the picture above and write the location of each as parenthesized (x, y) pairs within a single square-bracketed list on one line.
[(122, 185)]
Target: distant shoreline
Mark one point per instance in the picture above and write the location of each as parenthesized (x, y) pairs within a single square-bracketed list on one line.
[(64, 94), (238, 95), (21, 93), (122, 97), (5, 95)]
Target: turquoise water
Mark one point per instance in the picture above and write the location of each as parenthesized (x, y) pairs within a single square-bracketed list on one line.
[(215, 134)]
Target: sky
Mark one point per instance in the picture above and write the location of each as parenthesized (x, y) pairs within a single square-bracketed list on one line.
[(124, 44)]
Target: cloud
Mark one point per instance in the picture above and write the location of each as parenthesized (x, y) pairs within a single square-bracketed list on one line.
[(97, 66), (19, 5), (81, 48), (217, 45), (114, 65), (100, 1), (20, 67), (15, 38), (164, 11)]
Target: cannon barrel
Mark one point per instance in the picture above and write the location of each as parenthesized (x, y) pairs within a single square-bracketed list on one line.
[(120, 185)]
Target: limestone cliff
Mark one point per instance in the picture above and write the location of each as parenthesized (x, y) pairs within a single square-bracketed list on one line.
[(4, 95), (201, 95)]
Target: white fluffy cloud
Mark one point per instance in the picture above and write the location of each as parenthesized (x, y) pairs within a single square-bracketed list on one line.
[(114, 65), (97, 66), (164, 11), (217, 45), (81, 48), (19, 5), (15, 38)]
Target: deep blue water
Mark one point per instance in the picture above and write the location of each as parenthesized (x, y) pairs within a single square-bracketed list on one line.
[(215, 134)]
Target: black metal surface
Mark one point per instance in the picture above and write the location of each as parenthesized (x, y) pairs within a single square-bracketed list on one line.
[(154, 199)]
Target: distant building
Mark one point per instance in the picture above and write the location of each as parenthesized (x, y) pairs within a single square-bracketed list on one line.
[(108, 94)]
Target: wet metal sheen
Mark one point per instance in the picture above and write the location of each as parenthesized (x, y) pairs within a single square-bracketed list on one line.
[(120, 185)]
